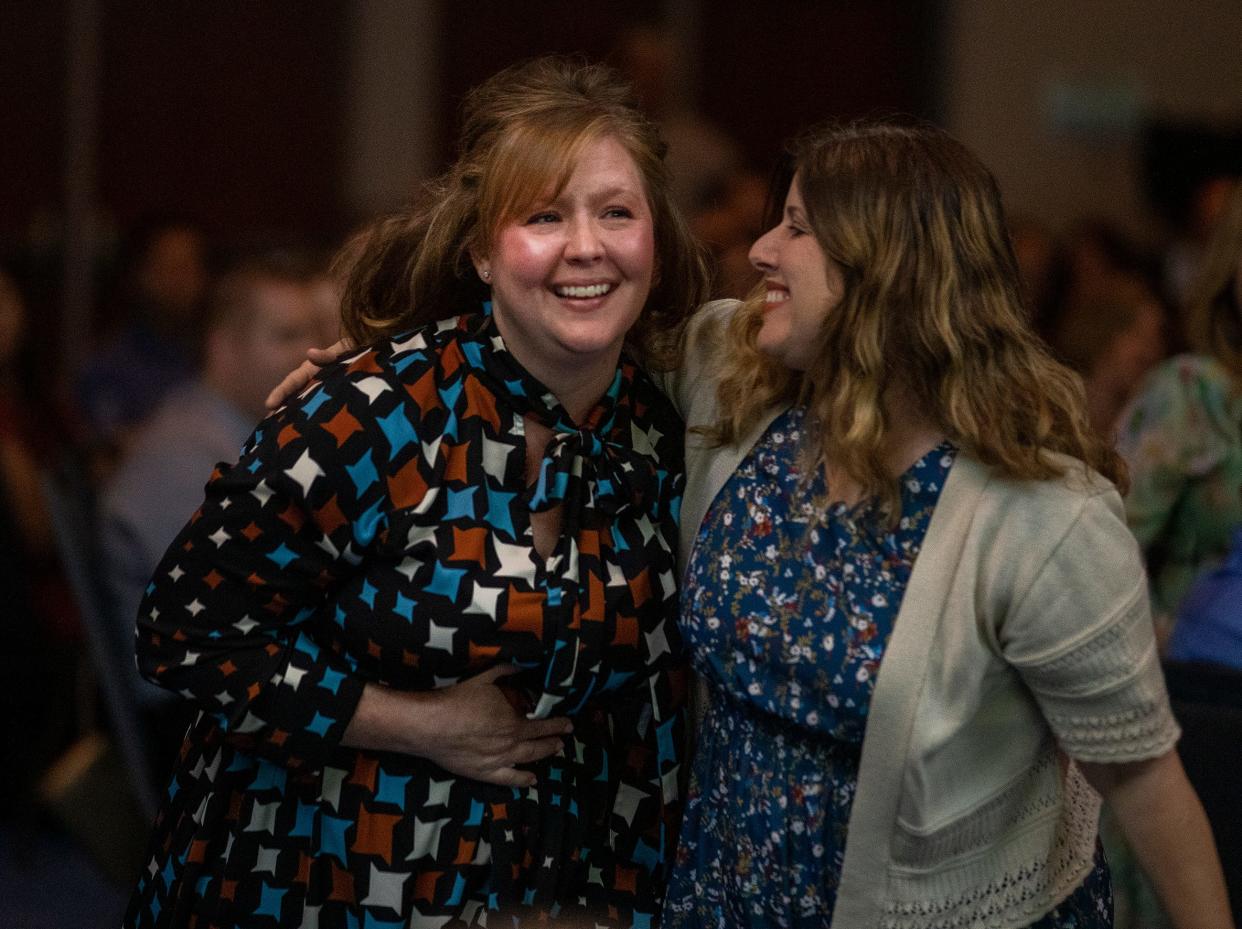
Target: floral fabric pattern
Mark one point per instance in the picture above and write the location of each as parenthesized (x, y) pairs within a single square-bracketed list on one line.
[(1182, 438), (787, 607)]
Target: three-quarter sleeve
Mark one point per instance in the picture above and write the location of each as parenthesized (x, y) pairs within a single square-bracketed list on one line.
[(227, 618), (1081, 637)]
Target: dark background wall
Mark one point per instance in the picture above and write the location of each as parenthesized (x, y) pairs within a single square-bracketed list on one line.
[(235, 110), (229, 110)]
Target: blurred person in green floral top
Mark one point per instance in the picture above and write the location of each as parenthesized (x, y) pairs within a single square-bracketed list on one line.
[(1182, 436)]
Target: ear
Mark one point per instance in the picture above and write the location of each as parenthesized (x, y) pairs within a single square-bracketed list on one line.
[(482, 267)]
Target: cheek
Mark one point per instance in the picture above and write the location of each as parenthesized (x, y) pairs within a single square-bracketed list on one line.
[(774, 329), (641, 255), (522, 259)]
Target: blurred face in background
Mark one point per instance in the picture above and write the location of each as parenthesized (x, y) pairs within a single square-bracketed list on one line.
[(173, 275), (251, 351)]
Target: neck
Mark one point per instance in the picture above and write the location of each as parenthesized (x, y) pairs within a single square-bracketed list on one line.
[(576, 382), (910, 435), (579, 391)]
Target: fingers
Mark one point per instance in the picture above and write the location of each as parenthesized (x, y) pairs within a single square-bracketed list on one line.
[(510, 777), (323, 356), (544, 728), (294, 381), (300, 376), (539, 749), (528, 752)]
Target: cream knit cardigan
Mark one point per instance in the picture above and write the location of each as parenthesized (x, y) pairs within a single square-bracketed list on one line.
[(1024, 640)]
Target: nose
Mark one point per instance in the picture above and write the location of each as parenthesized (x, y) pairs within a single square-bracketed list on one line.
[(763, 253), (584, 242)]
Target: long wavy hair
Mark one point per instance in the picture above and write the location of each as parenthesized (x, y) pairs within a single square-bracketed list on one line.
[(522, 132), (1213, 313), (932, 308)]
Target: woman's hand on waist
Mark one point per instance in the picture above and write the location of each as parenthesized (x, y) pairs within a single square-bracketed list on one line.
[(470, 729)]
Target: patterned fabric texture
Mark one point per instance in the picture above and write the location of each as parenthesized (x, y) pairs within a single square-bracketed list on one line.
[(1182, 438), (786, 609), (379, 529)]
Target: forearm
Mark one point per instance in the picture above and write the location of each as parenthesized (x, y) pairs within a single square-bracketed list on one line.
[(468, 729), (388, 720), (1166, 826)]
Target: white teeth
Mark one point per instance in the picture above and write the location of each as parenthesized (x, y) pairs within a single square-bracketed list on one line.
[(776, 296), (589, 290)]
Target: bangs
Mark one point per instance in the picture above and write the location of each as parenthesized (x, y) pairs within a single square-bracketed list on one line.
[(532, 164)]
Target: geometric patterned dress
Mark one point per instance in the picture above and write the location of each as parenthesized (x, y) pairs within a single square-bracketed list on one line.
[(378, 528), (787, 609)]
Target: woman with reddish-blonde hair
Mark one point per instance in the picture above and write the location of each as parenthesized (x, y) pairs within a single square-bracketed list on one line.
[(429, 616)]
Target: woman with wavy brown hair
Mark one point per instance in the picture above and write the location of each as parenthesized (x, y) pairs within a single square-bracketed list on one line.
[(919, 620), (429, 615)]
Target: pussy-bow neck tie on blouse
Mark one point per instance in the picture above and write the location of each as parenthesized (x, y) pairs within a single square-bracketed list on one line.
[(604, 474), (600, 471)]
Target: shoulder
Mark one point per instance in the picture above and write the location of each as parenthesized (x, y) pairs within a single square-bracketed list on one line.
[(708, 327), (702, 359), (1032, 516), (1075, 485), (649, 402), (1034, 542), (655, 415), (368, 418), (404, 371)]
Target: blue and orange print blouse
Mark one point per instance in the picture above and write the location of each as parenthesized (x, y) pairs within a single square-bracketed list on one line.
[(378, 529)]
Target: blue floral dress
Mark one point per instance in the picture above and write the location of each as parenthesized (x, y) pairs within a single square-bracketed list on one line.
[(786, 609)]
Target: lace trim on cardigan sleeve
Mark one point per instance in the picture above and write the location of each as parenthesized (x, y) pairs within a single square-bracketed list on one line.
[(1105, 700), (1007, 883)]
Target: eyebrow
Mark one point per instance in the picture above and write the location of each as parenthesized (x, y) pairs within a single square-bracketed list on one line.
[(608, 193), (617, 192), (794, 212)]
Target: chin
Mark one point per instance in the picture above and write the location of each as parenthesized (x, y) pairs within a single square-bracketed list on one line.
[(590, 340), (771, 344)]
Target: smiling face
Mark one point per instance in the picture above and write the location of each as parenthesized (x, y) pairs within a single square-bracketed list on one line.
[(571, 274), (803, 285)]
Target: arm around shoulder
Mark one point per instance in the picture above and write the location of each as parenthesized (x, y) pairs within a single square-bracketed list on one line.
[(706, 337)]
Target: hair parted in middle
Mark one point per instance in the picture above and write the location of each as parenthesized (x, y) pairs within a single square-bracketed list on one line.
[(932, 306), (522, 132)]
